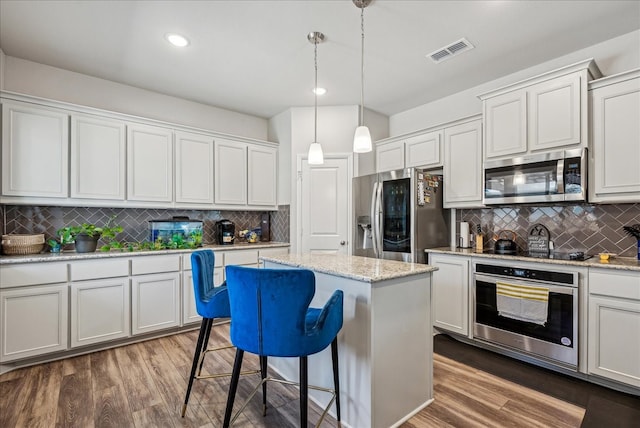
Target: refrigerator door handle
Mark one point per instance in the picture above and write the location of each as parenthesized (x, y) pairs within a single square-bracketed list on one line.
[(374, 219), (379, 220)]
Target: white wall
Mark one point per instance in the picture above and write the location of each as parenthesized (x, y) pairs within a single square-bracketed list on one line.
[(40, 80), (280, 131), (378, 124), (612, 56), (2, 60)]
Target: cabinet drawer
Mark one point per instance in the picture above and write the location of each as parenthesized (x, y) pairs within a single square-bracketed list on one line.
[(96, 269), (244, 257), (218, 260), (32, 274), (625, 285), (155, 264)]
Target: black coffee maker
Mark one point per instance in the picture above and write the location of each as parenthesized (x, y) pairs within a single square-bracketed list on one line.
[(225, 232)]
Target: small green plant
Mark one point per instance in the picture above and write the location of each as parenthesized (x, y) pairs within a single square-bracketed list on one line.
[(108, 232)]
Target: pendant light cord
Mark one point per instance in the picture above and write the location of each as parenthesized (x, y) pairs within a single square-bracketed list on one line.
[(315, 92), (362, 68)]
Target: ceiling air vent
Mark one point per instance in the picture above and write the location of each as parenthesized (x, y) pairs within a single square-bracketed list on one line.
[(453, 49)]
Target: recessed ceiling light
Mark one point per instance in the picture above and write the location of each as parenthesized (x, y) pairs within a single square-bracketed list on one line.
[(319, 91), (177, 40)]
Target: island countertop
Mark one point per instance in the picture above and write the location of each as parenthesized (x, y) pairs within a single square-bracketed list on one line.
[(353, 267)]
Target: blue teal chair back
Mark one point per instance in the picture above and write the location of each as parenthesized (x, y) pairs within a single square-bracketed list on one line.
[(211, 301), (271, 314)]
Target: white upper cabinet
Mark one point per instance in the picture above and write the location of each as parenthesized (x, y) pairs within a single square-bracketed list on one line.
[(262, 180), (424, 150), (98, 153), (246, 174), (230, 172), (35, 151), (505, 118), (544, 113), (615, 132), (463, 165), (421, 150), (194, 168), (390, 156), (149, 163), (555, 114)]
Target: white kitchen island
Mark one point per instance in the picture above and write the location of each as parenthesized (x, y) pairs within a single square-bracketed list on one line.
[(385, 345)]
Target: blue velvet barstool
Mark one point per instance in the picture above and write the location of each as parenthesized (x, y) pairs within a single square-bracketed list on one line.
[(270, 316), (211, 302)]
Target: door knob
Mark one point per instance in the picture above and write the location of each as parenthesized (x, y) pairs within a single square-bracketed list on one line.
[(343, 242)]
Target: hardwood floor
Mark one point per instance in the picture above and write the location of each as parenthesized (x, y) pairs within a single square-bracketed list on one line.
[(143, 385)]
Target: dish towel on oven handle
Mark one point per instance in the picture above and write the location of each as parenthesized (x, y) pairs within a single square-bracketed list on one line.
[(524, 303)]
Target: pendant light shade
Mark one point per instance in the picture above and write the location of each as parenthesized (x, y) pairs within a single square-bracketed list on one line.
[(362, 140), (315, 156), (362, 136)]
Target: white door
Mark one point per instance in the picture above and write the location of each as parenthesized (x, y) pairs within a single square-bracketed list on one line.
[(324, 194)]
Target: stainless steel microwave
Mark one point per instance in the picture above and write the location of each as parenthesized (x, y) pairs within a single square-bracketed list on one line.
[(548, 177)]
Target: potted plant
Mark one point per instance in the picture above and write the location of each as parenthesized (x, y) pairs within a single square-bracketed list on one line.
[(86, 235)]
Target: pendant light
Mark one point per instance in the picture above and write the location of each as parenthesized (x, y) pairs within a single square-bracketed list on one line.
[(362, 137), (315, 157)]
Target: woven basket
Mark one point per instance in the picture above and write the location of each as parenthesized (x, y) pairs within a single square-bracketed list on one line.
[(22, 244)]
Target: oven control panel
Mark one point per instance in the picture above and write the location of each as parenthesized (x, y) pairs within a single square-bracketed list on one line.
[(539, 275)]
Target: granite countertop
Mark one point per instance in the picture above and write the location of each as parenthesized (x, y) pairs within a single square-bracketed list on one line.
[(620, 263), (72, 255), (353, 267)]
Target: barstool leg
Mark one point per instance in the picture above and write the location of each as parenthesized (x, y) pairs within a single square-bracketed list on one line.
[(304, 392), (196, 357), (233, 387), (336, 376), (263, 375), (205, 343)]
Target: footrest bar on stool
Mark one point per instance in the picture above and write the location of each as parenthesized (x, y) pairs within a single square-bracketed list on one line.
[(287, 382)]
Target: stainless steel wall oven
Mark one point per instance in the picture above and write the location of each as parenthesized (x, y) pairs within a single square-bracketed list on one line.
[(554, 339)]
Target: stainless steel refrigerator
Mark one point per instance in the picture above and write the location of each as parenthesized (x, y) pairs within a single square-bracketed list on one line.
[(398, 214)]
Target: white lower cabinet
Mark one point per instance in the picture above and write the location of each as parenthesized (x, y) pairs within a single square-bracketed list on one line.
[(266, 252), (241, 258), (33, 321), (450, 294), (99, 310), (155, 301), (614, 325)]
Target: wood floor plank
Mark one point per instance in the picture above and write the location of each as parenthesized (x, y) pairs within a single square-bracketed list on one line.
[(105, 371), (172, 387), (76, 364), (138, 383), (154, 416), (74, 405), (10, 400), (48, 388), (111, 408), (180, 351)]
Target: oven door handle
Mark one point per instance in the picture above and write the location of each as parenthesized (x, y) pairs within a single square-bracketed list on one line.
[(559, 289)]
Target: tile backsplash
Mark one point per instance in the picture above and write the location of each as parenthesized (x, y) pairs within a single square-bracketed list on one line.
[(579, 227), (47, 219)]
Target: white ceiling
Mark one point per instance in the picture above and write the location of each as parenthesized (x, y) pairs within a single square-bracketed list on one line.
[(254, 57)]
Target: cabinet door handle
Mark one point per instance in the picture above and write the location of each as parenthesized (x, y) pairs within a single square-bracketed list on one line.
[(343, 242)]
